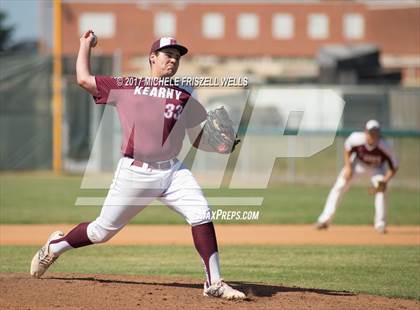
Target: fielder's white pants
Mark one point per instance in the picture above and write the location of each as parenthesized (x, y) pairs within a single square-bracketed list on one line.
[(342, 185), (134, 188)]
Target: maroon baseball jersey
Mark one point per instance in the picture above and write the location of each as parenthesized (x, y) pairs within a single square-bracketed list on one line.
[(153, 118), (374, 156)]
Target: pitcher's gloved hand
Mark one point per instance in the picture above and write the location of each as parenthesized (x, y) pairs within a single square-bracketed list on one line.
[(218, 131)]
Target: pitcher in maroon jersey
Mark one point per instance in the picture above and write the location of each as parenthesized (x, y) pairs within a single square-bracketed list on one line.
[(154, 119)]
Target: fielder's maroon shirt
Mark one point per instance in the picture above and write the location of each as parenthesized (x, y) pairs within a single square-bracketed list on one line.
[(374, 156), (153, 118)]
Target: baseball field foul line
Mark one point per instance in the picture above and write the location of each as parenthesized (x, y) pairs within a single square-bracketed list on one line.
[(228, 235)]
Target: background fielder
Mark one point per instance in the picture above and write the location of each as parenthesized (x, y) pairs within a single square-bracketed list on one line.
[(364, 153), (154, 121)]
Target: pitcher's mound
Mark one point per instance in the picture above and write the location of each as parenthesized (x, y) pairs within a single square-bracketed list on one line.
[(78, 291)]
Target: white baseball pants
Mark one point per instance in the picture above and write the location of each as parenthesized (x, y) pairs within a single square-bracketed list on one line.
[(134, 188)]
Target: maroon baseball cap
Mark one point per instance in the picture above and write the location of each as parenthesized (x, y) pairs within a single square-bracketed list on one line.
[(168, 42)]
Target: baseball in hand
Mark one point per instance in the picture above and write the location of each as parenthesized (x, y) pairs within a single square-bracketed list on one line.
[(94, 40)]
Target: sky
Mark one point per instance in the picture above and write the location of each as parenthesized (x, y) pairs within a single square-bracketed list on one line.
[(23, 14)]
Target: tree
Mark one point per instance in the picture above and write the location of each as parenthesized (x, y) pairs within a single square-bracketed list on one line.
[(5, 32)]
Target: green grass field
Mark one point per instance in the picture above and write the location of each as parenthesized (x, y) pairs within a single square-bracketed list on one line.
[(48, 198), (389, 271)]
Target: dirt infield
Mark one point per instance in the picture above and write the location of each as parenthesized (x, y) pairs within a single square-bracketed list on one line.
[(77, 291), (228, 235)]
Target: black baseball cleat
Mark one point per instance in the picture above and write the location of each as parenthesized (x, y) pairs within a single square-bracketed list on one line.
[(321, 226)]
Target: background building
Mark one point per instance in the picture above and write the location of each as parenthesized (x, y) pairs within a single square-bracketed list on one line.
[(265, 38)]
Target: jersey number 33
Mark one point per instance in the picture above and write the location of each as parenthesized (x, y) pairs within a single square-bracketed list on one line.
[(172, 111)]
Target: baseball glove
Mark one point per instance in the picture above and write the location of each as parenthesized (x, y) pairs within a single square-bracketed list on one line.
[(218, 131), (379, 188)]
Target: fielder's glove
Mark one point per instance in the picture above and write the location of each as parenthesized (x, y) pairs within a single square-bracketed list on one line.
[(379, 187), (218, 131)]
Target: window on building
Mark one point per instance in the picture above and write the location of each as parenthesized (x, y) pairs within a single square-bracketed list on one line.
[(318, 25), (248, 26), (165, 24), (283, 26), (102, 23), (353, 26), (213, 26)]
